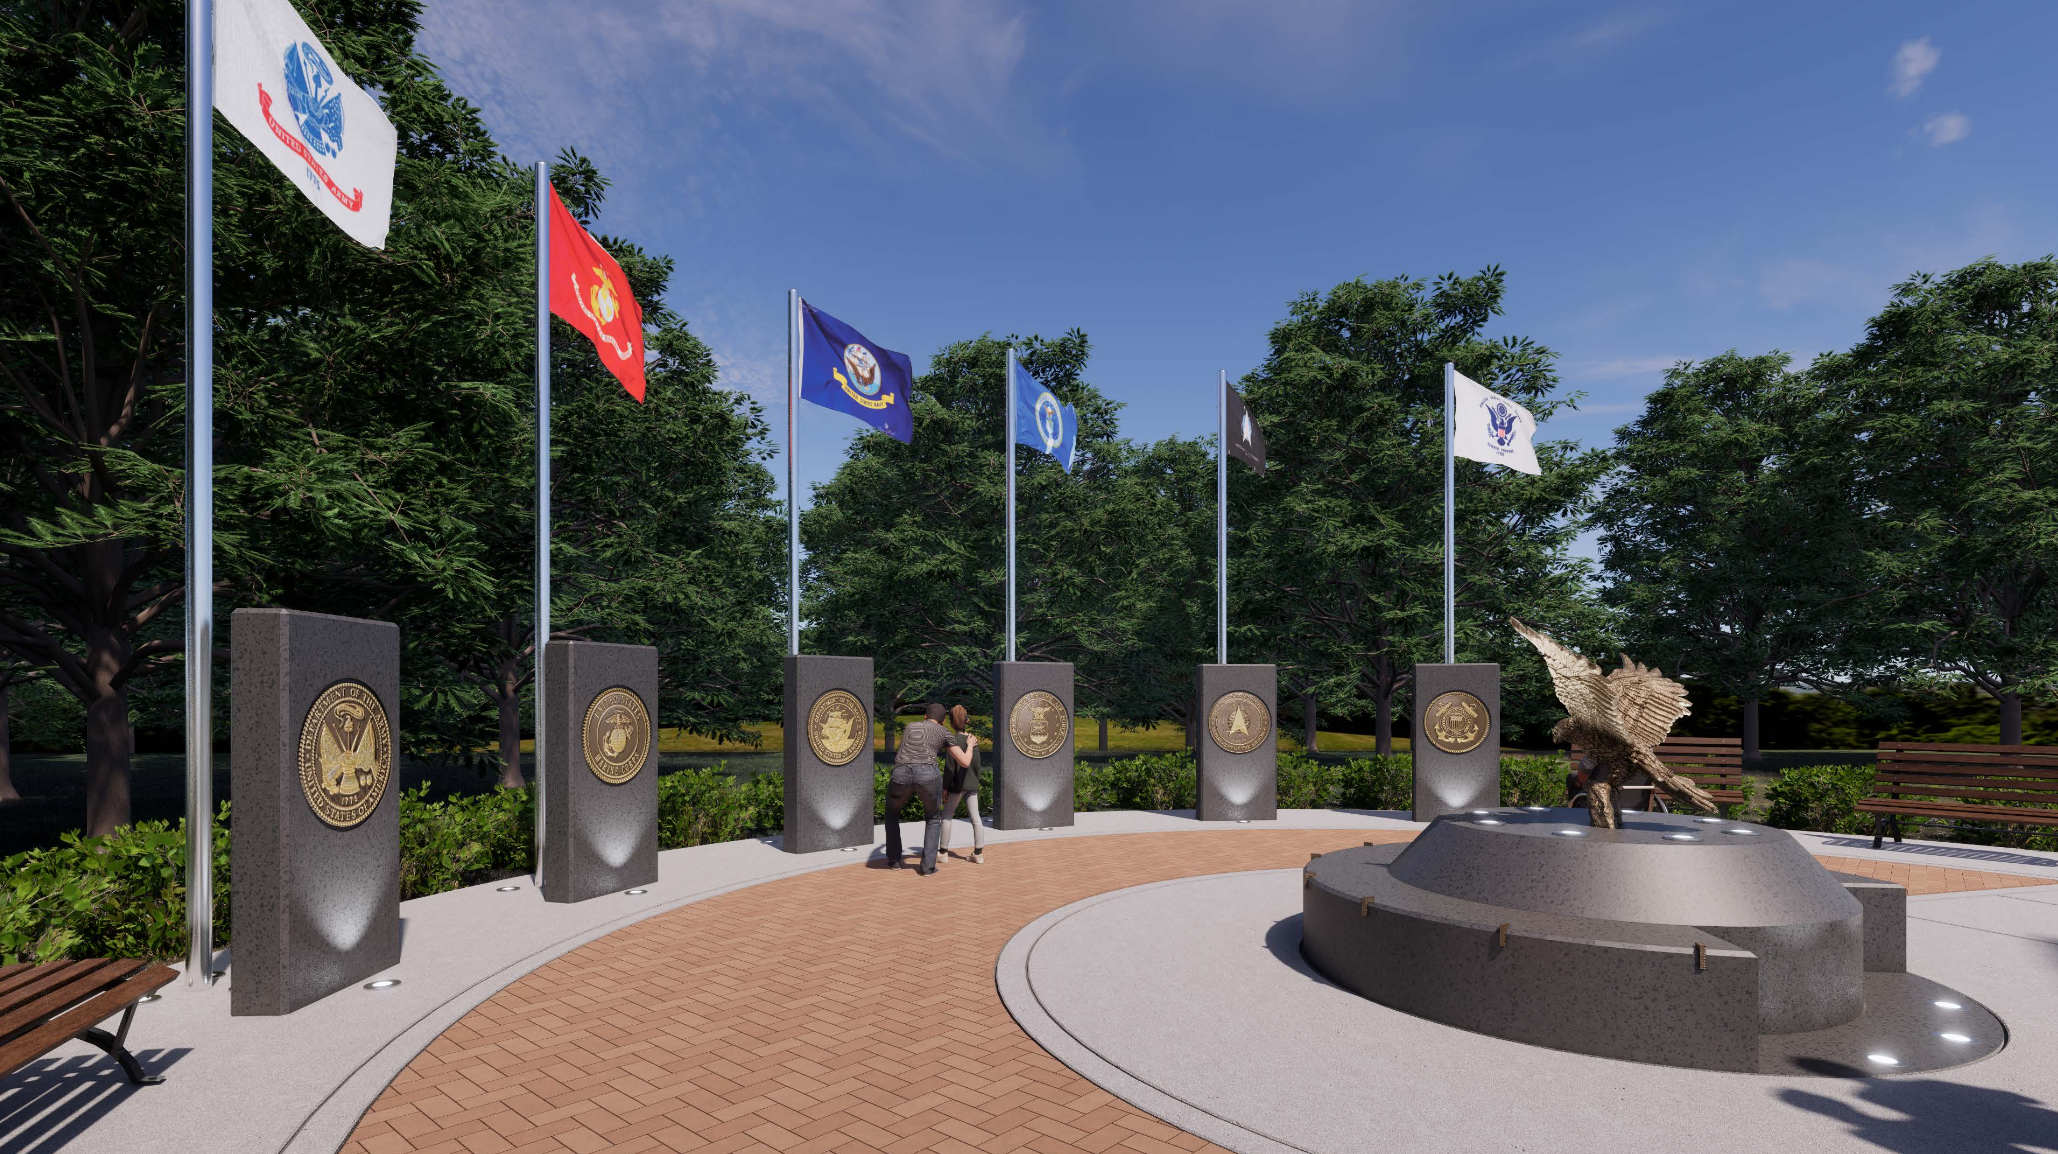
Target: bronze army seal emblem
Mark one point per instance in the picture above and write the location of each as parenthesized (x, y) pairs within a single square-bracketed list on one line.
[(1456, 721), (346, 754), (616, 735), (837, 727), (1239, 722), (1038, 723)]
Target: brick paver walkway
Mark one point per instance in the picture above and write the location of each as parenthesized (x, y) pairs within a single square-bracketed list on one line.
[(843, 1010)]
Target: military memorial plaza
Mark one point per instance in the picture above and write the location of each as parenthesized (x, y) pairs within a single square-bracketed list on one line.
[(1131, 982)]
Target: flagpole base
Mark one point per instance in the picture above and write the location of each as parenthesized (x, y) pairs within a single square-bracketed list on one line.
[(1033, 729), (1237, 739), (1457, 739), (828, 761)]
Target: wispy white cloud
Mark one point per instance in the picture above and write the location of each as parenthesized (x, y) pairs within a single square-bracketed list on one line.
[(1946, 128), (1625, 367), (1601, 37), (1913, 63)]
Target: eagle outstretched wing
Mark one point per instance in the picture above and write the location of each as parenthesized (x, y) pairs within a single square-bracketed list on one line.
[(1647, 702), (1585, 694)]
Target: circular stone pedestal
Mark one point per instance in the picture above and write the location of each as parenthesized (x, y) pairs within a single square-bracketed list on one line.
[(1676, 940)]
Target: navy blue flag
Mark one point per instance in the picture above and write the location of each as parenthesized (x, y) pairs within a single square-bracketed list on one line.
[(1042, 421), (842, 370)]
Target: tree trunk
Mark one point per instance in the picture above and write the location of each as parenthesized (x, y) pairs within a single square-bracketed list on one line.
[(888, 730), (107, 763), (508, 698), (2011, 718), (1750, 734), (1308, 722), (1103, 736), (7, 790), (1382, 726)]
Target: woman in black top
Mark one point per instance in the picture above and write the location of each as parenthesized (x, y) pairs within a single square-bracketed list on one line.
[(962, 781)]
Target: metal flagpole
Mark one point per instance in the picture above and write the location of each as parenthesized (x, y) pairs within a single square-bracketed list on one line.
[(1222, 521), (542, 484), (200, 492), (1011, 500), (1450, 523), (793, 355)]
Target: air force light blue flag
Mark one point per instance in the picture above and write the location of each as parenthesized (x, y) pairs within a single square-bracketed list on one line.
[(843, 370), (1042, 421)]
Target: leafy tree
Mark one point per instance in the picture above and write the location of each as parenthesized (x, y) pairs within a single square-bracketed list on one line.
[(1947, 406), (1343, 574), (1729, 536)]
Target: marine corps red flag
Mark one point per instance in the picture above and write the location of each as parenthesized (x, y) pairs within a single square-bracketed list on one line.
[(588, 290)]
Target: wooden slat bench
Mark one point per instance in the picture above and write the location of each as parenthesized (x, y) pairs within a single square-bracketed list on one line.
[(1937, 781), (1715, 763), (44, 1006)]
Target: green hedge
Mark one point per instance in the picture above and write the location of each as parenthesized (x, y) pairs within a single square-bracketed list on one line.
[(125, 896), (1823, 798)]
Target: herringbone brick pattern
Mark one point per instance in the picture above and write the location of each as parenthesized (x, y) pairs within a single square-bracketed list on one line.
[(851, 1009), (1929, 879)]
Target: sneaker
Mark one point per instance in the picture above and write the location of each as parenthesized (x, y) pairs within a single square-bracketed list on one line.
[(978, 857), (894, 863)]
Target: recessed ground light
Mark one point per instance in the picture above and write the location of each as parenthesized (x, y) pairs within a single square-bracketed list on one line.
[(1741, 832), (1947, 1005), (1958, 1038), (1883, 1059), (633, 893), (1243, 821), (855, 848), (1709, 820), (149, 998), (1489, 821), (382, 984), (1047, 828), (1681, 837), (1537, 808), (505, 889), (1477, 812), (1569, 832)]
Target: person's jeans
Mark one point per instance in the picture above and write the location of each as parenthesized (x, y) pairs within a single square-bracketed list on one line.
[(950, 811), (911, 781)]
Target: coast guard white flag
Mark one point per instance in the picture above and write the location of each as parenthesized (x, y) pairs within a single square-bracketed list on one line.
[(276, 83), (1489, 427)]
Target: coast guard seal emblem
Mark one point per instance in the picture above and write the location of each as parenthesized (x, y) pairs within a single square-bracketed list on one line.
[(1239, 722), (838, 728), (616, 735), (346, 754), (1455, 722), (1039, 724)]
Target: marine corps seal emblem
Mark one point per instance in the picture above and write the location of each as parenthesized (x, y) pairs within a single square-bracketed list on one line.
[(1456, 721), (1239, 722), (346, 754), (837, 728), (1038, 724), (616, 735)]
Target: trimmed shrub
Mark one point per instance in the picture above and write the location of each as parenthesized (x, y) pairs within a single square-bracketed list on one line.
[(699, 806), (1823, 798), (463, 840), (121, 896), (1147, 781)]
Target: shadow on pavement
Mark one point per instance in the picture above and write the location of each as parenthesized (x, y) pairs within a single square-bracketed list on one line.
[(1967, 853), (50, 1102), (1926, 1116)]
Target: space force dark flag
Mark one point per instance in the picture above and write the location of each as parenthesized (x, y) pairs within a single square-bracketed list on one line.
[(1042, 421), (842, 369), (1246, 441)]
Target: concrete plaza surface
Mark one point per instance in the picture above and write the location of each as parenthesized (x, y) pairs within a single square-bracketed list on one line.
[(663, 1020)]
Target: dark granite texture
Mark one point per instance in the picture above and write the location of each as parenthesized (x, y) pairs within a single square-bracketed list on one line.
[(1886, 921), (1237, 786), (597, 838), (314, 909), (1455, 782), (827, 806), (1031, 792)]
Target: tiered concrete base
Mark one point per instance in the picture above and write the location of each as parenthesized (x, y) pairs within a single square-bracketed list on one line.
[(1675, 940)]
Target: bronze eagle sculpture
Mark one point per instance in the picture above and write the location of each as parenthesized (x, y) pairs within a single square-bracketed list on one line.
[(1619, 719)]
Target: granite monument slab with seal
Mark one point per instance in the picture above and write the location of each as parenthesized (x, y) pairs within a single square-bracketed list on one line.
[(314, 720), (1457, 740), (1237, 772), (600, 772), (828, 765), (1033, 726)]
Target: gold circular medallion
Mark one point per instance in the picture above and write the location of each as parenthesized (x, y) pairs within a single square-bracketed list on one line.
[(1039, 724), (1456, 721), (1239, 722), (346, 754), (838, 728), (616, 735)]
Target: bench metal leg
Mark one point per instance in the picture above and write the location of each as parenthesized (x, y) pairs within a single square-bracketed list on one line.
[(116, 1046), (1878, 829)]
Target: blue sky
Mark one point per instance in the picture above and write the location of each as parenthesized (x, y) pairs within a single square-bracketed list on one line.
[(1660, 181)]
